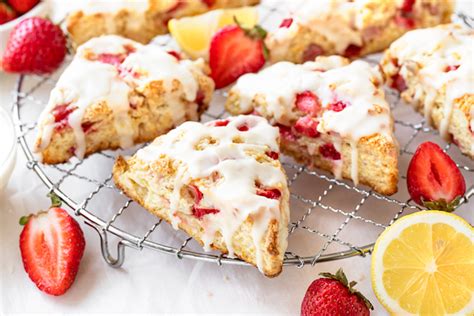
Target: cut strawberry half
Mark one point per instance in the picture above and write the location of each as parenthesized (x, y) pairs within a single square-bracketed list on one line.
[(235, 51), (433, 179), (52, 245), (308, 103), (329, 151), (307, 126), (286, 23)]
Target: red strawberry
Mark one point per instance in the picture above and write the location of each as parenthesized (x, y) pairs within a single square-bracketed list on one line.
[(308, 103), (235, 51), (273, 154), (433, 180), (286, 133), (22, 6), (286, 22), (312, 51), (6, 13), (199, 212), (273, 194), (35, 45), (220, 123), (407, 6), (307, 126), (337, 106), (352, 51), (52, 245), (329, 151), (175, 54), (333, 295), (398, 83), (451, 68)]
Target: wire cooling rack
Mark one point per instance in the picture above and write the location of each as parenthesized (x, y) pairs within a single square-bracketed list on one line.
[(330, 219)]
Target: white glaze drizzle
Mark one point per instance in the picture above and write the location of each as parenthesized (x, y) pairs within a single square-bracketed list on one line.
[(234, 195), (432, 50), (87, 81), (280, 83), (339, 21)]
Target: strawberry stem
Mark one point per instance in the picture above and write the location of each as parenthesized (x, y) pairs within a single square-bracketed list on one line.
[(55, 200), (24, 220)]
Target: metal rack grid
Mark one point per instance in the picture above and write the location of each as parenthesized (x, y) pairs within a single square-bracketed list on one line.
[(321, 221)]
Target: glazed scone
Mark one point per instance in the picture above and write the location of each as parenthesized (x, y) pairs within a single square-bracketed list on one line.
[(139, 20), (221, 182), (350, 28), (117, 93), (434, 71), (331, 114)]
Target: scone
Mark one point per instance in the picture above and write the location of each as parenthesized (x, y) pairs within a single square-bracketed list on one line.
[(434, 71), (331, 114), (350, 28), (221, 182), (139, 20), (117, 93)]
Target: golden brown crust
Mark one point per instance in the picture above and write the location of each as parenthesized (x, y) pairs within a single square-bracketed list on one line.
[(124, 175), (141, 27), (379, 32), (151, 116)]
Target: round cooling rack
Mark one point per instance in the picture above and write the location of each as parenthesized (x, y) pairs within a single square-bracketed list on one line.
[(330, 219)]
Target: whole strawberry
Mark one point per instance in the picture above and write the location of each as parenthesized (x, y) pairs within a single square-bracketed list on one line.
[(433, 179), (35, 45), (333, 295), (22, 6), (6, 13), (51, 245)]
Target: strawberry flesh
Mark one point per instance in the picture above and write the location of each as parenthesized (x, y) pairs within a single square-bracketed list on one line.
[(337, 106), (308, 103), (433, 176), (234, 53), (286, 23), (405, 22), (398, 83), (220, 123), (174, 54), (286, 133), (312, 51), (273, 194), (200, 212), (352, 51), (112, 59), (307, 126), (407, 6), (329, 151), (273, 154), (243, 128), (451, 68), (52, 245)]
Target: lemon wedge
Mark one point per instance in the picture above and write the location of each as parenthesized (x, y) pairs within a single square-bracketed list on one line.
[(423, 264), (194, 34)]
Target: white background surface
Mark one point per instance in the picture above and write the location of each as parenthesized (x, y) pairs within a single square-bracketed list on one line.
[(151, 282)]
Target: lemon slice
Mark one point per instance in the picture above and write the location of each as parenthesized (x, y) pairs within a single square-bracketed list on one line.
[(194, 34), (424, 265)]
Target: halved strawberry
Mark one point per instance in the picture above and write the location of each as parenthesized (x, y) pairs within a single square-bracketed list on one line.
[(235, 51), (433, 180), (308, 103), (52, 245)]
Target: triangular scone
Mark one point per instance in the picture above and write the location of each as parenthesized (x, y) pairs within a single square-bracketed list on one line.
[(116, 93), (221, 182), (434, 71), (332, 115), (140, 20), (351, 28)]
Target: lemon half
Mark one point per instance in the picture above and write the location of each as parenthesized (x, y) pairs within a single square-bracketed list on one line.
[(424, 265), (194, 34)]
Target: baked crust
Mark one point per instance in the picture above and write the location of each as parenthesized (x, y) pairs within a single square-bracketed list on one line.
[(139, 25), (151, 185), (379, 23)]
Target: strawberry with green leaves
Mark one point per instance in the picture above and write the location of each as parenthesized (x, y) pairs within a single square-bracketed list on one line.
[(334, 295), (433, 179), (235, 51)]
